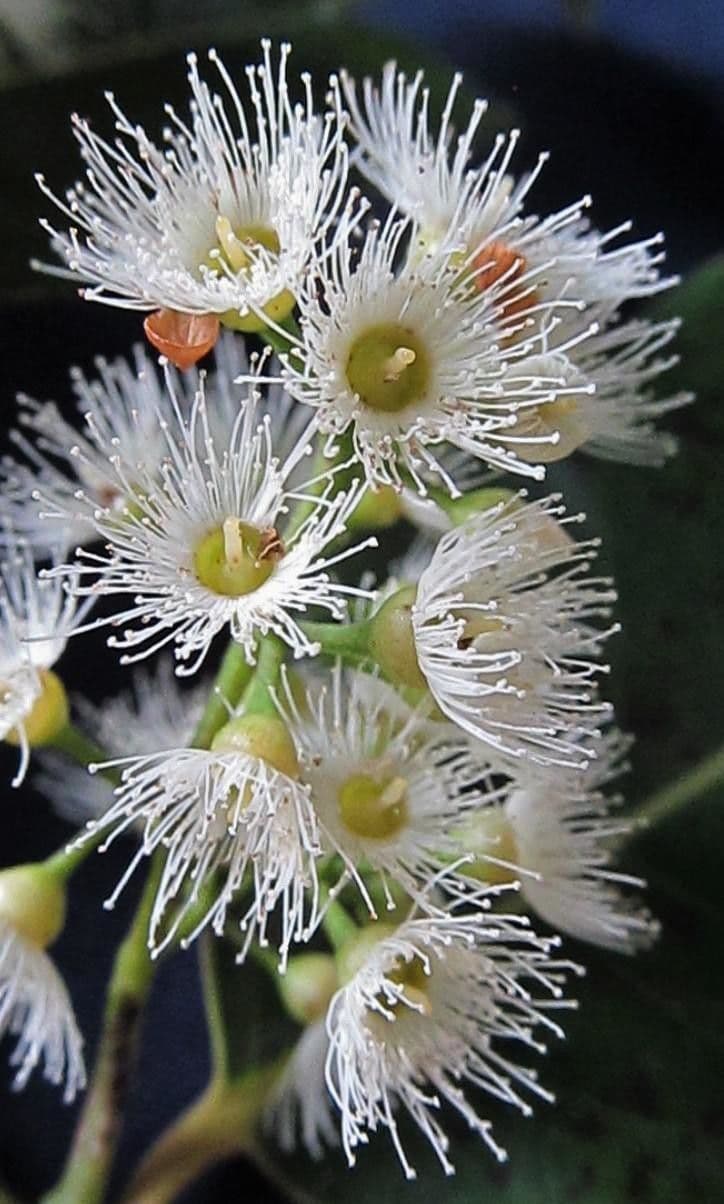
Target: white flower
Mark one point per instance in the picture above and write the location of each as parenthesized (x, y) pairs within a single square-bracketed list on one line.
[(387, 784), (35, 1008), (226, 219), (617, 420), (476, 214), (439, 1003), (503, 635), (155, 714), (36, 618), (300, 1098), (232, 829), (203, 546), (557, 836), (477, 211), (124, 410), (410, 357), (121, 410)]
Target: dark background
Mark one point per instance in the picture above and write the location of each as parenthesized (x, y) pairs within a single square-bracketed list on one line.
[(628, 99)]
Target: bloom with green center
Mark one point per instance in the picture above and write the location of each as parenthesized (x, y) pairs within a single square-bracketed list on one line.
[(208, 547), (508, 628), (402, 353), (36, 618), (227, 218), (437, 1003), (387, 783), (235, 828), (557, 834)]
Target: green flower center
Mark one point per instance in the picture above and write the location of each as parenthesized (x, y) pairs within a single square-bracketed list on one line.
[(236, 558), (235, 244), (388, 368), (235, 248), (371, 808)]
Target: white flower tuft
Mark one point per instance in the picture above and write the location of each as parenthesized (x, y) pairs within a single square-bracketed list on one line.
[(440, 1003), (225, 218), (502, 625), (35, 1008)]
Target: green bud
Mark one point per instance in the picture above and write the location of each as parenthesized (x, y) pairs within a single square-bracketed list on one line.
[(265, 737), (392, 640), (308, 985), (378, 509), (32, 901)]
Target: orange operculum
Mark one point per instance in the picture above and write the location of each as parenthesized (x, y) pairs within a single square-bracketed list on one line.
[(183, 338), (496, 262)]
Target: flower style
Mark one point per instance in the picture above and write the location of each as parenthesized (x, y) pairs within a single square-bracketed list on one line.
[(155, 714), (233, 829), (203, 545), (36, 619), (35, 1007), (477, 215), (503, 636), (436, 1003), (225, 220), (408, 356), (556, 836), (388, 785)]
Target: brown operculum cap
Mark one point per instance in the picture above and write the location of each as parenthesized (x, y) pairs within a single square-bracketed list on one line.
[(183, 338)]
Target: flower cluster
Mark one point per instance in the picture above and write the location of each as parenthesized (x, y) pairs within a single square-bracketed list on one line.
[(384, 762)]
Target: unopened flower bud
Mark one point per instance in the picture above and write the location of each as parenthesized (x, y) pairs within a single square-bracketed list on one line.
[(262, 736), (377, 509), (308, 985), (32, 902), (392, 640)]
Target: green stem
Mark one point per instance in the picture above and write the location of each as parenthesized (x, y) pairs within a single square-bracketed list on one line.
[(270, 656), (338, 925), (220, 1124), (76, 745), (347, 640), (89, 1162), (692, 785), (233, 676)]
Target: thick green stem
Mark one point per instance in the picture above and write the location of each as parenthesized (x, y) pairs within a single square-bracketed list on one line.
[(231, 680), (220, 1124), (692, 785), (350, 641), (86, 1172), (270, 657)]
